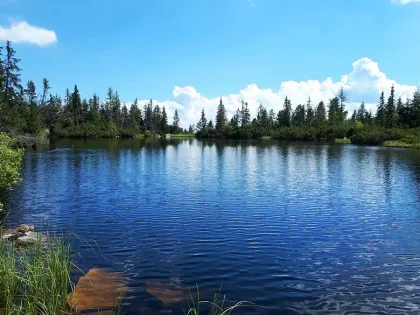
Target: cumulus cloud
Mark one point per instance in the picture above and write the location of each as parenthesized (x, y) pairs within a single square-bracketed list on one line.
[(22, 32), (405, 1), (363, 84)]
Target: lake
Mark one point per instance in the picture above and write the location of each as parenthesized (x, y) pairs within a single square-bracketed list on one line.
[(295, 228)]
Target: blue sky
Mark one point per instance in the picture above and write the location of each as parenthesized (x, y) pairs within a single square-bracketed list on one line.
[(188, 53)]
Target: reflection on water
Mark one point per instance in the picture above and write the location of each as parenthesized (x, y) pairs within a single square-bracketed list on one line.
[(294, 228)]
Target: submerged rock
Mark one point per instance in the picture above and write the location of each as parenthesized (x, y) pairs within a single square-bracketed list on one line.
[(168, 294), (98, 289)]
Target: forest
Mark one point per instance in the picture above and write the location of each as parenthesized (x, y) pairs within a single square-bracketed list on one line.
[(24, 109)]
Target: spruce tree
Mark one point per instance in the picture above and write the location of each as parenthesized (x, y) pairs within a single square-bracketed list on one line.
[(221, 117), (164, 121), (320, 113), (45, 88), (11, 75), (380, 112), (390, 111), (245, 115), (202, 123), (175, 123)]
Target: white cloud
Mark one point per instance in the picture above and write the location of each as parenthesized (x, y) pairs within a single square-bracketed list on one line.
[(404, 1), (22, 32), (363, 84)]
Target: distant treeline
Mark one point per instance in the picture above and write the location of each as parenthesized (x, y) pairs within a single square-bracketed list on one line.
[(23, 110), (394, 120)]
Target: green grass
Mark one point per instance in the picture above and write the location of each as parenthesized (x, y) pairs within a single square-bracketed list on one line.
[(216, 307), (401, 144), (183, 135), (342, 141), (35, 280)]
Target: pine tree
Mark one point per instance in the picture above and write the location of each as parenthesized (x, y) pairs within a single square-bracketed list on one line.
[(354, 116), (341, 112), (202, 123), (310, 114), (148, 112), (221, 117), (75, 105), (33, 115), (390, 111), (175, 123), (320, 113), (380, 112), (334, 111), (84, 111), (94, 115), (30, 92), (236, 120), (245, 115), (45, 88), (262, 117), (156, 118), (210, 126), (414, 110), (11, 75), (298, 117), (271, 118), (164, 121), (284, 116), (361, 113)]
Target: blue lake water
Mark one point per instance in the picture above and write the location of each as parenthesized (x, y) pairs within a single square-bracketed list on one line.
[(294, 228)]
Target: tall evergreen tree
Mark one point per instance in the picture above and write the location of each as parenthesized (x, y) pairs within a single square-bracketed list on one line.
[(320, 113), (202, 123), (45, 89), (156, 118), (236, 120), (11, 75), (334, 111), (164, 121), (361, 113), (245, 115), (310, 114), (390, 110), (284, 116), (341, 112), (148, 113), (299, 117), (175, 123), (262, 116), (75, 106), (221, 116), (271, 118), (380, 112)]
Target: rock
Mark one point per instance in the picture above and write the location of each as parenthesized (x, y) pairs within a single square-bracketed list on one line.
[(98, 289), (25, 228), (13, 234), (168, 294), (6, 234), (31, 238)]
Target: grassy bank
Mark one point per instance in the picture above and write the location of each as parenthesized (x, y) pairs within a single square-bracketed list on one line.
[(342, 141), (183, 135), (401, 144), (36, 280)]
